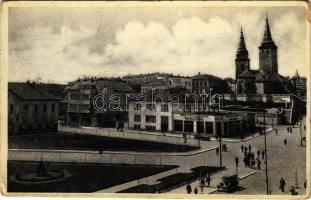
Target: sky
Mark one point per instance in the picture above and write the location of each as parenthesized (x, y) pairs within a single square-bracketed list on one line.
[(60, 44)]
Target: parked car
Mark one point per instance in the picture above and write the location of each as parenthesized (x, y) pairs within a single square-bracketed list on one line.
[(228, 184)]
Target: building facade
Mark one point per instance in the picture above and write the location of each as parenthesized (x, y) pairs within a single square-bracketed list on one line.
[(207, 82), (188, 118), (31, 109)]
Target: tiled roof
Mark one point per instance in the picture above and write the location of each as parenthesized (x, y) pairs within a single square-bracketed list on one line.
[(246, 73), (263, 76), (30, 91), (205, 76)]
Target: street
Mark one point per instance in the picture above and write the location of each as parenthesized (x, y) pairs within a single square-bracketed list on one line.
[(283, 161)]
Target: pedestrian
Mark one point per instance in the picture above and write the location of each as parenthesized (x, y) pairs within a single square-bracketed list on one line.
[(201, 184), (258, 153), (258, 164), (217, 151), (282, 184), (242, 148), (236, 160), (304, 127), (290, 129), (263, 154), (245, 149), (245, 162), (293, 191), (287, 130), (285, 142), (208, 179), (276, 131), (253, 163), (245, 153), (249, 148), (305, 184), (188, 188), (195, 190)]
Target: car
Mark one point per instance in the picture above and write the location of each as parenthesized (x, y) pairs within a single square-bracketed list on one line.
[(228, 184)]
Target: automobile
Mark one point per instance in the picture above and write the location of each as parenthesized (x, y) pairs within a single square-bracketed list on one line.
[(228, 184)]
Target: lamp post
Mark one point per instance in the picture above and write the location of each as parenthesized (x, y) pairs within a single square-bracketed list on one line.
[(266, 154), (300, 132)]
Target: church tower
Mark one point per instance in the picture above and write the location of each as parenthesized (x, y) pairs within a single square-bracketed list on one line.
[(268, 52), (241, 60)]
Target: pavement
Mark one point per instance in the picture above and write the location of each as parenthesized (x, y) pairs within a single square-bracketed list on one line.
[(287, 161)]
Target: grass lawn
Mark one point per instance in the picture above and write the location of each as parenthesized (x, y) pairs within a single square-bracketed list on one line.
[(90, 142), (83, 177), (173, 181)]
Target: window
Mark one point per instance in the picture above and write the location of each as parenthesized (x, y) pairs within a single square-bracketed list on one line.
[(150, 128), (137, 118), (188, 108), (137, 106), (136, 126), (150, 119), (151, 107), (164, 108), (36, 108), (11, 108), (44, 108), (53, 107)]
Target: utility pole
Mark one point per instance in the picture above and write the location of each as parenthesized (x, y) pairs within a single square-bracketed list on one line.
[(220, 151), (300, 132), (266, 153)]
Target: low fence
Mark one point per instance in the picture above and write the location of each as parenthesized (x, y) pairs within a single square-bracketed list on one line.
[(129, 134), (146, 158)]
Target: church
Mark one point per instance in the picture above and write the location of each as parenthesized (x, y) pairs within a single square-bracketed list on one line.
[(265, 80)]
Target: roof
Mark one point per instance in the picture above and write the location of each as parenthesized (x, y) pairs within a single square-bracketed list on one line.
[(205, 76), (30, 91), (264, 76), (116, 86), (246, 73)]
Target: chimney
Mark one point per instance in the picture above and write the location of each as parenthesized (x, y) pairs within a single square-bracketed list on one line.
[(199, 73)]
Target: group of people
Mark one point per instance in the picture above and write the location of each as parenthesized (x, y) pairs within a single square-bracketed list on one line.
[(224, 148), (203, 182), (249, 157), (289, 130)]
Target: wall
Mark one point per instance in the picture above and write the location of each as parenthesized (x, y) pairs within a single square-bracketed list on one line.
[(130, 134), (195, 158)]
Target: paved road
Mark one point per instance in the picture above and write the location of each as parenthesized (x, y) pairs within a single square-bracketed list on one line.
[(283, 161)]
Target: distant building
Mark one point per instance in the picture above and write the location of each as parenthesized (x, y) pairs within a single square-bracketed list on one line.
[(300, 85), (164, 83), (266, 80), (206, 82), (110, 106), (31, 109)]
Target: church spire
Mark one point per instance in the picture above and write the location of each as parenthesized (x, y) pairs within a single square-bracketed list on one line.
[(242, 46), (267, 35)]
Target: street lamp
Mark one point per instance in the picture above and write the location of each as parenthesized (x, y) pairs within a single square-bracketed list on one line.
[(300, 132), (266, 154)]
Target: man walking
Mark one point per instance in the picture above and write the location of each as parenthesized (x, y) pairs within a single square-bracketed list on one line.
[(258, 153), (188, 188), (285, 142), (258, 164), (208, 179), (217, 151), (249, 148), (282, 184), (242, 148)]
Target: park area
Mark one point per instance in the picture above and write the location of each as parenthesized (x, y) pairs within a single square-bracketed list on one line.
[(76, 177), (70, 141)]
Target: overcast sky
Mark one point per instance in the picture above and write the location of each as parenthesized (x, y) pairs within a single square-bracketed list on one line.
[(62, 44)]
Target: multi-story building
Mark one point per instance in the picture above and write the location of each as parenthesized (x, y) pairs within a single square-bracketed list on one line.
[(31, 109), (189, 117), (209, 82), (171, 81), (300, 85), (97, 102)]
